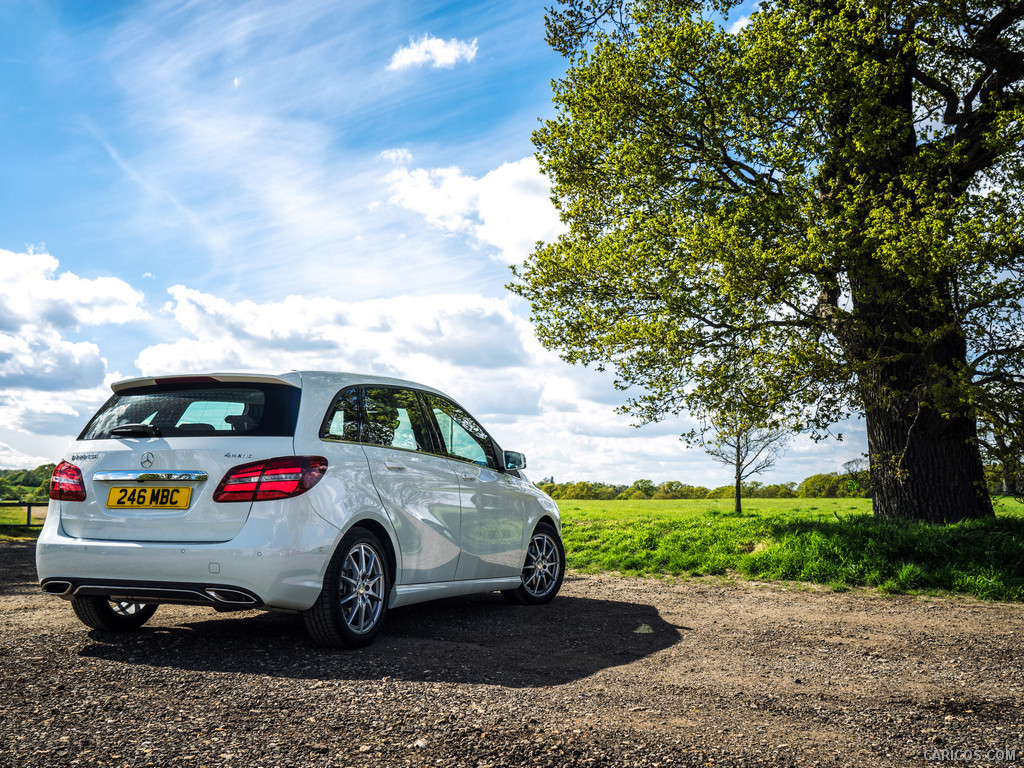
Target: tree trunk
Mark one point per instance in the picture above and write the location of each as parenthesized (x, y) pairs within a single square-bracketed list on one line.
[(922, 431), (926, 468), (738, 506), (925, 462)]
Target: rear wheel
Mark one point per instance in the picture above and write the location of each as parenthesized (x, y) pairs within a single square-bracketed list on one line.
[(112, 615), (543, 570), (354, 599)]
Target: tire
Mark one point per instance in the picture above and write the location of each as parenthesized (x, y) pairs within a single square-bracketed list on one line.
[(353, 601), (112, 615), (543, 570)]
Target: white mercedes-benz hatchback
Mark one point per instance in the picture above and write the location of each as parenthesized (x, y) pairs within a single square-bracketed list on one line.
[(336, 495)]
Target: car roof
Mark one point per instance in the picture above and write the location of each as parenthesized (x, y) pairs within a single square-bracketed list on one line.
[(291, 378)]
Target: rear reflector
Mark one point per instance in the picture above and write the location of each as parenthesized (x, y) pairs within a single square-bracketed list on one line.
[(278, 478), (66, 483)]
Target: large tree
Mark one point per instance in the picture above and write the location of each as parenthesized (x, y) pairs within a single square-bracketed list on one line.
[(830, 194)]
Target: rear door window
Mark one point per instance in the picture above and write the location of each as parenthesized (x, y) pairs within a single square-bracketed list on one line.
[(393, 418), (209, 409), (384, 416)]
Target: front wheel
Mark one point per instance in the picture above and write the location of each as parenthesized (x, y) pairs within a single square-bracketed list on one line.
[(354, 599), (543, 569), (112, 615)]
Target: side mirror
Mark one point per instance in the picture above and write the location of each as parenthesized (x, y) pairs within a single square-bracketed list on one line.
[(514, 460)]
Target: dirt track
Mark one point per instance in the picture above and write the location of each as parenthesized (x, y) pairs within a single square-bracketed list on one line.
[(615, 672)]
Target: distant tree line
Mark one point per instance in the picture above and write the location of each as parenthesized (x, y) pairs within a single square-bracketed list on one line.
[(853, 483), (26, 484), (829, 485)]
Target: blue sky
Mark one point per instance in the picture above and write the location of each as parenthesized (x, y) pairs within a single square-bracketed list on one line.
[(338, 185)]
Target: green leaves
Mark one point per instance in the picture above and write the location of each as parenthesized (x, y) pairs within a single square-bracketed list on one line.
[(755, 188)]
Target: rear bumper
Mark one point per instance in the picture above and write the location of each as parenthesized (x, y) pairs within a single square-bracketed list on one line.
[(223, 597), (277, 561)]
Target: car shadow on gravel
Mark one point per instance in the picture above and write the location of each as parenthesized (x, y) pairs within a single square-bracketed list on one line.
[(480, 639)]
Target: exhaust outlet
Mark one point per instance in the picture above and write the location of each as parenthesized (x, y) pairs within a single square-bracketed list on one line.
[(230, 596), (57, 587)]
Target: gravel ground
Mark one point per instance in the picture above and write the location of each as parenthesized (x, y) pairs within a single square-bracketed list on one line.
[(614, 672)]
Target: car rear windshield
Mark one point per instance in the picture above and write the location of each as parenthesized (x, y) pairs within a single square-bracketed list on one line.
[(208, 409)]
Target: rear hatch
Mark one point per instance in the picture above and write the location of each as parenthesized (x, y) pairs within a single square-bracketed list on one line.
[(153, 455)]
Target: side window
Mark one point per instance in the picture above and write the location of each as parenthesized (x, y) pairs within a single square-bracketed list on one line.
[(463, 437), (342, 422), (392, 417)]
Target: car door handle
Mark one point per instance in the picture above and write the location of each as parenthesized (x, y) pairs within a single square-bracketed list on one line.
[(394, 465), (467, 477)]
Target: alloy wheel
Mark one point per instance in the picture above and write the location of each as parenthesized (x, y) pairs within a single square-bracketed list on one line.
[(543, 565), (362, 589)]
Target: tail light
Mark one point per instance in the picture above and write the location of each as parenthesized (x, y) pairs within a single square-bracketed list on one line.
[(66, 483), (278, 478)]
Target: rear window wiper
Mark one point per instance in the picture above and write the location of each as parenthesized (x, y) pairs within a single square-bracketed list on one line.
[(135, 430)]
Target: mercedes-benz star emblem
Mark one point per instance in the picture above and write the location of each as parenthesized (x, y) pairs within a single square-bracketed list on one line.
[(147, 460)]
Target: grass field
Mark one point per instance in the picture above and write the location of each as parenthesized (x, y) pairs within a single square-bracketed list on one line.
[(836, 542)]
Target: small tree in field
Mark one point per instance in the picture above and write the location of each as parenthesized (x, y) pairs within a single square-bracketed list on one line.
[(749, 449), (858, 477)]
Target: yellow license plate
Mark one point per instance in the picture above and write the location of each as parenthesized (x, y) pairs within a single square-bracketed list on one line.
[(141, 497)]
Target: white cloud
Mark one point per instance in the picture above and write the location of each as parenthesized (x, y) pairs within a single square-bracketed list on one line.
[(405, 333), (49, 380), (33, 294), (41, 412), (515, 209), (738, 25), (39, 308), (434, 51), (397, 156), (446, 197), (12, 458), (508, 208), (38, 358)]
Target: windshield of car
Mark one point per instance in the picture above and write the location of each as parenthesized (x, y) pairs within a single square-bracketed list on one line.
[(209, 409)]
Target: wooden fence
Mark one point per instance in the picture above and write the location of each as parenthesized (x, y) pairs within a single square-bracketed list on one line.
[(28, 506)]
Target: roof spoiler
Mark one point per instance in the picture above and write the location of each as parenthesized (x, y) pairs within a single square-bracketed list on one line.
[(207, 378)]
